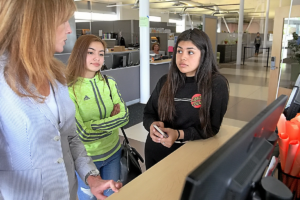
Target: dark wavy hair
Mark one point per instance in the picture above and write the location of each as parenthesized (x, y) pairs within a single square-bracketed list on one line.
[(204, 74)]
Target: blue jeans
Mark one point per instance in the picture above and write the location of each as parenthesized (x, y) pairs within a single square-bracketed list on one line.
[(109, 170)]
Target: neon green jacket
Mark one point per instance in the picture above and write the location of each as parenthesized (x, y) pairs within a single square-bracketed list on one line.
[(97, 130)]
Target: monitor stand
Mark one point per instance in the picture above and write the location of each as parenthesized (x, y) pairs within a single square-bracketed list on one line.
[(273, 138), (268, 188)]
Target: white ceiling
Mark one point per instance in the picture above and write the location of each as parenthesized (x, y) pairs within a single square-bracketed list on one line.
[(249, 6)]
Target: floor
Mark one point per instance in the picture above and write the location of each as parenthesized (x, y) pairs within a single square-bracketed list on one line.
[(248, 96)]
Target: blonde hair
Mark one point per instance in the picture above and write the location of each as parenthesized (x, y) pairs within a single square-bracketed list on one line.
[(77, 60), (28, 34)]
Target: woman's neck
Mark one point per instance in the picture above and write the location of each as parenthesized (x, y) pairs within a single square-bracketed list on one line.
[(89, 74), (44, 90)]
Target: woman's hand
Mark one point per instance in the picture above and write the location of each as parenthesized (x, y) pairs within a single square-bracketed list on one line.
[(173, 135), (98, 185), (116, 110), (154, 134)]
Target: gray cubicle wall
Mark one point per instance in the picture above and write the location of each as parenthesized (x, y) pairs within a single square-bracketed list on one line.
[(134, 57), (63, 57), (105, 26), (136, 31), (108, 60), (128, 80), (156, 72), (82, 25), (130, 34), (123, 26)]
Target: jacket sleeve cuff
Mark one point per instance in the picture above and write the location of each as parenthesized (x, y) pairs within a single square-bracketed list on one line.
[(191, 134), (187, 135), (83, 166)]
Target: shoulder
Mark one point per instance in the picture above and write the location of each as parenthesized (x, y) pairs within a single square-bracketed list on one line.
[(163, 79), (219, 82), (111, 79)]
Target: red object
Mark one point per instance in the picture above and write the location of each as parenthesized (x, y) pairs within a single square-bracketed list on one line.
[(283, 143), (281, 124), (292, 130), (196, 101), (290, 157)]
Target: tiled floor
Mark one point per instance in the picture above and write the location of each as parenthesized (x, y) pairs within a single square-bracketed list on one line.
[(248, 96)]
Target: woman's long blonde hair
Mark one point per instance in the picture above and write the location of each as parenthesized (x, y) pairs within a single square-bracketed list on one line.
[(28, 34), (77, 62)]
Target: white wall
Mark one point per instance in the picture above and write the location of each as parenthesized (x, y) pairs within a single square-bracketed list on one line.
[(164, 16), (254, 27), (129, 14)]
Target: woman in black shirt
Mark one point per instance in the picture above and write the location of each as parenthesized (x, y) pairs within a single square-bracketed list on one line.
[(190, 102)]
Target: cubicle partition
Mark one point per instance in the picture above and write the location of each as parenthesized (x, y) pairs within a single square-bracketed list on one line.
[(63, 57), (157, 70), (128, 80), (210, 25)]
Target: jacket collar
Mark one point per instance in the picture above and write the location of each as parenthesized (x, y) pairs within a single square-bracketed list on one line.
[(43, 107)]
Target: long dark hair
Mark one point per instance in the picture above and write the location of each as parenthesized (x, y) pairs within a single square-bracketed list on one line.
[(205, 72)]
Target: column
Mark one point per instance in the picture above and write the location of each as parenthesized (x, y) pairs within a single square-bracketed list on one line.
[(240, 33), (119, 10), (261, 24), (144, 54), (219, 25), (266, 26), (183, 22)]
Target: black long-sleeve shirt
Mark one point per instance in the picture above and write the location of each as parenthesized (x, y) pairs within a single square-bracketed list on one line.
[(187, 116)]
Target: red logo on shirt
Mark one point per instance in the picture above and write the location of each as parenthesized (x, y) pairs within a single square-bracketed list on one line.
[(196, 101)]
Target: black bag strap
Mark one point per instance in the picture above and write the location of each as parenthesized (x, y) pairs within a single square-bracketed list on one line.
[(126, 139)]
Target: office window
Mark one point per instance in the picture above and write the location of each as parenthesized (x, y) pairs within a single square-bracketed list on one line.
[(83, 16), (154, 19), (179, 27)]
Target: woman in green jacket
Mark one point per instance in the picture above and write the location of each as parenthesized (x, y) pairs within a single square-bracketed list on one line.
[(100, 110)]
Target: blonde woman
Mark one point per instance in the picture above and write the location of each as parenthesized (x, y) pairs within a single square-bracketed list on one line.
[(39, 147), (100, 110)]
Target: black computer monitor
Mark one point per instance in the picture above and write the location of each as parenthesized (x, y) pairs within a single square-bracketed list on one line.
[(293, 105), (120, 60), (236, 167)]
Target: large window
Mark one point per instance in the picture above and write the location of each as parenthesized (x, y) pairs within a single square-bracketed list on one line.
[(179, 26), (89, 16), (154, 19)]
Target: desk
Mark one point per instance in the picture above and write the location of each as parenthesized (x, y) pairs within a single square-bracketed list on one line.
[(165, 180), (158, 62), (126, 51)]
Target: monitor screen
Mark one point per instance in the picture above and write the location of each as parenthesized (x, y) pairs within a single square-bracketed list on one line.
[(120, 60), (237, 166)]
